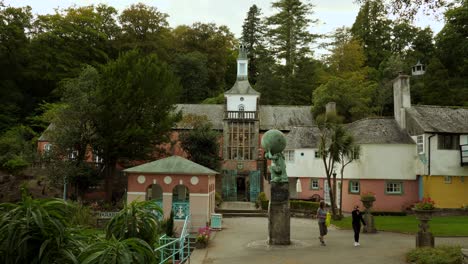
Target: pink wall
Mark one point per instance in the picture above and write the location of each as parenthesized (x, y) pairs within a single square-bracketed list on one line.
[(384, 202), (134, 186)]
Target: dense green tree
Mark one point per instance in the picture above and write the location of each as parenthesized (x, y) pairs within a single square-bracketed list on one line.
[(269, 82), (17, 148), (218, 44), (372, 29), (288, 32), (145, 28), (193, 73), (202, 144), (352, 95), (253, 31), (15, 93), (407, 9), (135, 96)]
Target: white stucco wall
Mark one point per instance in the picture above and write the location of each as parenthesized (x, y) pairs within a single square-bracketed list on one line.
[(376, 161), (305, 165), (446, 162), (233, 102), (384, 161)]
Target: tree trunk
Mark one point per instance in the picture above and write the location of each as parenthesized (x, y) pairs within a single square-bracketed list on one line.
[(332, 199), (341, 192), (109, 179), (334, 196)]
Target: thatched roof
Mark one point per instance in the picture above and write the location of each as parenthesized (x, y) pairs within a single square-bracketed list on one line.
[(437, 119)]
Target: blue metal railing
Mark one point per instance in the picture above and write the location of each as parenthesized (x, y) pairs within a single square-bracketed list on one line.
[(175, 249)]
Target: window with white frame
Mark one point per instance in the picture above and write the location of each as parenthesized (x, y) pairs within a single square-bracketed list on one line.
[(314, 184), (354, 187), (448, 179), (420, 144), (394, 188), (289, 155), (47, 147)]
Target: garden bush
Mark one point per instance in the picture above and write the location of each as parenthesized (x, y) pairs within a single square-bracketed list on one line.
[(437, 255), (218, 199), (261, 198), (303, 205), (384, 213)]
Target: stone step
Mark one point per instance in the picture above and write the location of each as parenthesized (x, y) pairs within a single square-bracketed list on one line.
[(227, 211), (256, 214), (238, 205)]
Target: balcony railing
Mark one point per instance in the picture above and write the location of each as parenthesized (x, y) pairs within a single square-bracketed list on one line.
[(464, 155), (244, 115)]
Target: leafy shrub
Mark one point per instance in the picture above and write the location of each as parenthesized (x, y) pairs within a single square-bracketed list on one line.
[(303, 205), (36, 231), (81, 215), (264, 205), (260, 199), (15, 164), (384, 213), (168, 225), (437, 255), (138, 219), (425, 204), (113, 251)]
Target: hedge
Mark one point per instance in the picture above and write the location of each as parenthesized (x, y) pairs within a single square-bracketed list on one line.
[(384, 213), (297, 205), (437, 255)]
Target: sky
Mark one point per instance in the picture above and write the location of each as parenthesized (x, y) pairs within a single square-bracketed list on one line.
[(332, 14)]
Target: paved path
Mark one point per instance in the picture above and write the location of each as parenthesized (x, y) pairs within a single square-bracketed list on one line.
[(243, 240)]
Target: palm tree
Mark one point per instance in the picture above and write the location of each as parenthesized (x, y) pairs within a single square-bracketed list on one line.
[(136, 220), (35, 231), (349, 152), (113, 251)]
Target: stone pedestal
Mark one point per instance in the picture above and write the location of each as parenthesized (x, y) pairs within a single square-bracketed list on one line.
[(368, 217), (424, 238), (370, 225), (279, 231)]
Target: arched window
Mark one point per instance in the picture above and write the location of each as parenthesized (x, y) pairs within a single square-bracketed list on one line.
[(180, 193), (154, 192), (241, 107)]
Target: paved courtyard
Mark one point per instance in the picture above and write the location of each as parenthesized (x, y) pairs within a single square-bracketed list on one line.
[(243, 240)]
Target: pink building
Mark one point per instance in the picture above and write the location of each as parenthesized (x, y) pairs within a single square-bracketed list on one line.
[(176, 184)]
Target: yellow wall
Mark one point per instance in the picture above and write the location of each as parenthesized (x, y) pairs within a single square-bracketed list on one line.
[(446, 195)]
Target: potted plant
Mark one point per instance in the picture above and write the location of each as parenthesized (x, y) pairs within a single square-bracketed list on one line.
[(202, 237), (423, 210), (368, 199)]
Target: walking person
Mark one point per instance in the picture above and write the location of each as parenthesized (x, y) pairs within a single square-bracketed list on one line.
[(321, 216), (357, 219)]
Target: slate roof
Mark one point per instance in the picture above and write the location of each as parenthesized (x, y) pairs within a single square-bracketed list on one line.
[(285, 117), (439, 119), (302, 137), (172, 165), (242, 87), (271, 117), (214, 113), (378, 131), (44, 136)]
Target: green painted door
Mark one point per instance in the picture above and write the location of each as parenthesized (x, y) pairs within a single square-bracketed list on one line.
[(229, 185), (255, 182)]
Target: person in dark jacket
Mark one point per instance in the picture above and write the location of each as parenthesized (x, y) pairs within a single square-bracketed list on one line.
[(357, 219)]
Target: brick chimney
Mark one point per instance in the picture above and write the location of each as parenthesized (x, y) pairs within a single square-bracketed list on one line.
[(401, 98)]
